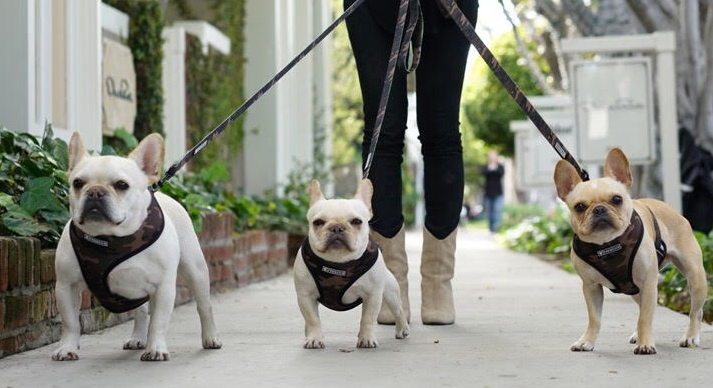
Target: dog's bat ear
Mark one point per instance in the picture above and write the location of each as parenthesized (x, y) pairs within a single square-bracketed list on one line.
[(75, 151), (617, 167), (315, 192), (364, 192), (149, 155), (566, 178)]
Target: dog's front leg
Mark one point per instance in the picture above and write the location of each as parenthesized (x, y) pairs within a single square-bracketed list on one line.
[(141, 327), (313, 327), (647, 305), (369, 311), (68, 299), (594, 296), (161, 308)]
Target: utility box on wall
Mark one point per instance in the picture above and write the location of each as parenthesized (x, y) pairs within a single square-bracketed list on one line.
[(613, 107)]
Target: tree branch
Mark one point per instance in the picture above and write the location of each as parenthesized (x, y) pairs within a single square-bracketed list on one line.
[(705, 107), (650, 17), (553, 13), (527, 55), (581, 16)]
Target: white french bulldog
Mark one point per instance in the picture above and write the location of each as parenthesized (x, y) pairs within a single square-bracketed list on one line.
[(109, 199), (340, 267)]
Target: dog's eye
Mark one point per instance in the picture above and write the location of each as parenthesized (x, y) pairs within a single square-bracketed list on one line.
[(318, 222), (355, 222), (616, 200), (77, 183), (121, 185), (580, 207)]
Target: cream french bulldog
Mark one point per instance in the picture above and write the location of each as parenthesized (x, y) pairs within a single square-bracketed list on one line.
[(127, 246), (622, 243), (340, 267)]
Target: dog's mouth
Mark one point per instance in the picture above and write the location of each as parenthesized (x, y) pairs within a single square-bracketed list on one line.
[(337, 242), (600, 224), (96, 212)]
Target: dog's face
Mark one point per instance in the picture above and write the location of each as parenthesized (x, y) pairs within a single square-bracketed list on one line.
[(339, 228), (600, 210), (108, 194)]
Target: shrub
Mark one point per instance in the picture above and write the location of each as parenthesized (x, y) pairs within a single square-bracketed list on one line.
[(34, 194)]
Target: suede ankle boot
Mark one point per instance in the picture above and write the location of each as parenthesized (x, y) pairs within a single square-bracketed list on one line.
[(394, 252), (437, 266)]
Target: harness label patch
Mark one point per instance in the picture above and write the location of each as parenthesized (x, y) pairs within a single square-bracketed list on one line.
[(333, 271), (96, 241), (610, 250)]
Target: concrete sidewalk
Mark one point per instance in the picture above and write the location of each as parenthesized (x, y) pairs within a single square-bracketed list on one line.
[(516, 318)]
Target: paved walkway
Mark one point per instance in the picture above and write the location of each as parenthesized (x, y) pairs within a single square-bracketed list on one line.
[(516, 318)]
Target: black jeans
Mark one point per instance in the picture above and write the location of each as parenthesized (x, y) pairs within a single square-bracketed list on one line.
[(439, 82)]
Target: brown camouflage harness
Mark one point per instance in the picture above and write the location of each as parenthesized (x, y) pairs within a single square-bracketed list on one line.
[(334, 279), (99, 255), (615, 259)]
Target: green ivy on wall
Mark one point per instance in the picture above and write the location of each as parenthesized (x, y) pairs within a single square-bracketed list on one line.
[(214, 81), (146, 22)]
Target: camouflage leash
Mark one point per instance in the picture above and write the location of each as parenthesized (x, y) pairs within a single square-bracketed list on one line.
[(238, 112), (451, 9), (403, 37)]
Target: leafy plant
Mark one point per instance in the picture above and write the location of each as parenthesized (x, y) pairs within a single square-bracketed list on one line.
[(549, 234), (33, 185), (673, 286)]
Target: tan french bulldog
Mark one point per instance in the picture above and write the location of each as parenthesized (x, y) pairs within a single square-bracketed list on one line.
[(127, 246), (340, 267), (622, 243)]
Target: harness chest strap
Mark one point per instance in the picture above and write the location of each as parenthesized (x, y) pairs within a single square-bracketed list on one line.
[(615, 259), (334, 279), (99, 255)]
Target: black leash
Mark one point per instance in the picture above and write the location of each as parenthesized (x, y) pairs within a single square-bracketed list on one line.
[(405, 37), (451, 9), (238, 112)]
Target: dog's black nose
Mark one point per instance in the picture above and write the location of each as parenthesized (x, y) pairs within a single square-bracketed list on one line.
[(96, 192), (599, 210), (338, 228)]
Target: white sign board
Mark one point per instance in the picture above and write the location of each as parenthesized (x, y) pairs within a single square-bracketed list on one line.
[(613, 105), (534, 157)]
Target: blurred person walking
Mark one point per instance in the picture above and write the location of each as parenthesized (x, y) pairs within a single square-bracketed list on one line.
[(493, 196)]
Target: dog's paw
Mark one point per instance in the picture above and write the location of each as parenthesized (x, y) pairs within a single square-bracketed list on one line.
[(634, 338), (690, 342), (402, 332), (645, 349), (582, 346), (134, 343), (65, 354), (155, 355), (367, 342), (313, 343), (212, 343)]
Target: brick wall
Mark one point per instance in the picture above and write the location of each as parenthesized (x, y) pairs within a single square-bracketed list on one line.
[(28, 309)]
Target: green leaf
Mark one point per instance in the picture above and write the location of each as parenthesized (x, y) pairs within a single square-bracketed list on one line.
[(19, 222), (107, 150), (38, 195), (6, 200), (128, 139)]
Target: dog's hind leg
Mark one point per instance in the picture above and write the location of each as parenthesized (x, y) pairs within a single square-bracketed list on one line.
[(392, 297), (194, 270), (141, 328), (692, 268)]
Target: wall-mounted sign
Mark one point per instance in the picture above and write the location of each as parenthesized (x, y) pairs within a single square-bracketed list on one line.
[(118, 88), (534, 157), (613, 105)]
